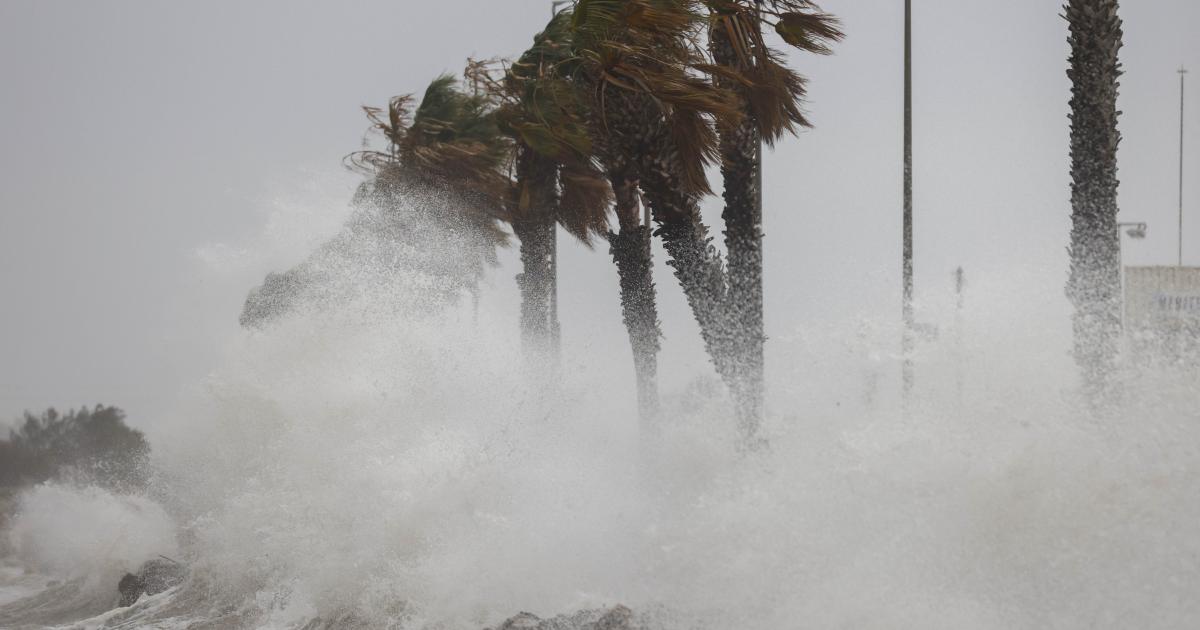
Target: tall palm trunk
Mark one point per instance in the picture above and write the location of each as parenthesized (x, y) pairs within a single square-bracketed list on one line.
[(1094, 286), (702, 276), (630, 249), (615, 134), (695, 262), (741, 169), (644, 136), (534, 227), (638, 132)]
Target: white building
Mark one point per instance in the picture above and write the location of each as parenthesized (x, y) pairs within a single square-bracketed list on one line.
[(1162, 310)]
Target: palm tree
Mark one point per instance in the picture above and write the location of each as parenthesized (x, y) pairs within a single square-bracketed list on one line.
[(771, 96), (468, 144), (449, 150), (449, 147), (533, 224), (1095, 281), (557, 181), (431, 207), (664, 111), (654, 113), (650, 114), (549, 111)]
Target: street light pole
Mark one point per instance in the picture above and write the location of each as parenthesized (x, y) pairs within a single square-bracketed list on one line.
[(1136, 230), (555, 329), (907, 270), (1182, 72)]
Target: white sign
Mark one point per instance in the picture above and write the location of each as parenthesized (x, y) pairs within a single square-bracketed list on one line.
[(1162, 298)]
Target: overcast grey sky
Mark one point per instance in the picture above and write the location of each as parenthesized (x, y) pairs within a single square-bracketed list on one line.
[(139, 137)]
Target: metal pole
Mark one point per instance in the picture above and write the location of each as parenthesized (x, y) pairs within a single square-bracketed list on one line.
[(758, 179), (907, 310), (1138, 231), (1121, 262), (960, 283), (1182, 73), (554, 327), (646, 220), (555, 330)]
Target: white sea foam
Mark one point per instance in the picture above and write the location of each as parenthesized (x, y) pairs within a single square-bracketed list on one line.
[(69, 532)]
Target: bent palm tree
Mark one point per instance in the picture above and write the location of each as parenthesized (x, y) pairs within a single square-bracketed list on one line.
[(550, 113), (449, 147), (450, 150), (430, 209), (653, 113), (657, 107), (771, 95), (557, 180)]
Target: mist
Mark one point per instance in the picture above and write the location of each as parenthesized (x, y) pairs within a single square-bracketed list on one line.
[(366, 461)]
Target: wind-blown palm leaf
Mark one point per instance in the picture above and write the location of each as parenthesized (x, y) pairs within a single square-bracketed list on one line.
[(642, 61), (449, 141), (545, 112), (774, 93)]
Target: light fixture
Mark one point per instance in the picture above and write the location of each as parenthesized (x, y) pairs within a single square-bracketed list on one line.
[(1136, 230)]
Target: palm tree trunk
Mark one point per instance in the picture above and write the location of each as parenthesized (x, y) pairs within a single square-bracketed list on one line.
[(701, 274), (534, 283), (741, 169), (632, 125), (534, 227), (1094, 283), (630, 249)]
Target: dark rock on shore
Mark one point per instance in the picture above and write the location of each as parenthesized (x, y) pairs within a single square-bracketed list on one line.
[(615, 618), (155, 576)]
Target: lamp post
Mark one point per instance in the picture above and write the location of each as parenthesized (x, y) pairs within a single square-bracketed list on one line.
[(1137, 231), (1182, 73), (907, 255), (555, 329)]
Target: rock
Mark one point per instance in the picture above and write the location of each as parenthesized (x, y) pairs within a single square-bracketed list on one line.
[(160, 575), (615, 618), (155, 576), (131, 589), (522, 621)]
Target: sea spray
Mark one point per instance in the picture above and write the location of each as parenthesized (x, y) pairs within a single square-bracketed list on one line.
[(361, 462), (79, 541), (67, 531), (407, 470)]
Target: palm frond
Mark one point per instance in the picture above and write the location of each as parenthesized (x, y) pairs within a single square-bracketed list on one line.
[(542, 109), (773, 92), (644, 61), (585, 200), (811, 31), (450, 141)]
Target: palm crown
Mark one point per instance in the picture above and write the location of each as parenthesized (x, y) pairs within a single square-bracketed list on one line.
[(450, 140), (773, 92), (449, 146), (543, 111), (649, 95)]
